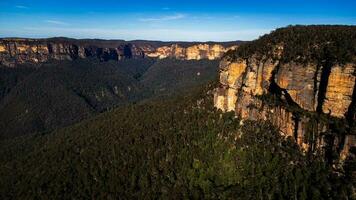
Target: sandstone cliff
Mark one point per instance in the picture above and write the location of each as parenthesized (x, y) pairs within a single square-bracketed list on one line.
[(311, 101), (19, 51), (194, 52)]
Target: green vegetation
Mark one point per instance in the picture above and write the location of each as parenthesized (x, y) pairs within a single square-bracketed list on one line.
[(160, 136), (321, 46), (58, 94), (10, 77), (336, 127), (304, 44), (179, 148), (61, 93), (170, 76)]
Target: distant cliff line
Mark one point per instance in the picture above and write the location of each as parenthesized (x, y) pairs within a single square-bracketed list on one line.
[(15, 51)]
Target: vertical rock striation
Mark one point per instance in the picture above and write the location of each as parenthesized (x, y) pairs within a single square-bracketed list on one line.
[(286, 94), (20, 51), (311, 101), (193, 52)]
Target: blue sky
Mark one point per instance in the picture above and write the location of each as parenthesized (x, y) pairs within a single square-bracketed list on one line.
[(194, 20)]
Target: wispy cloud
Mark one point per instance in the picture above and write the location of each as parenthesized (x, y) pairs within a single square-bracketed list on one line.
[(163, 18), (56, 22), (166, 8), (21, 7), (148, 34)]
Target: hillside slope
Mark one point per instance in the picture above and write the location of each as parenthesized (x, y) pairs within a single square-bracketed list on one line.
[(58, 94), (169, 76), (173, 149)]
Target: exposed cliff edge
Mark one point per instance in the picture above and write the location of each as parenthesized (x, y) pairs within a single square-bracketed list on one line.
[(194, 52), (302, 79), (20, 51)]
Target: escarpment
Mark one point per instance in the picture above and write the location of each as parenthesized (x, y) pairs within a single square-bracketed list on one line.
[(20, 51), (194, 52), (302, 80)]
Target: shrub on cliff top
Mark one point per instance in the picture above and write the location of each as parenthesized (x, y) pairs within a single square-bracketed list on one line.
[(304, 44)]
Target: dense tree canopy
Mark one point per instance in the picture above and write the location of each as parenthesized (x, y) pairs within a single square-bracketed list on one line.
[(304, 44), (61, 93), (177, 148)]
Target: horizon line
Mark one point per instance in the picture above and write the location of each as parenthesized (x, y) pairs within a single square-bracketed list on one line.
[(114, 39)]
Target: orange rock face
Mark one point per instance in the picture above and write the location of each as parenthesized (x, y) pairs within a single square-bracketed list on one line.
[(194, 52), (299, 81), (247, 84), (2, 48), (19, 51), (341, 84)]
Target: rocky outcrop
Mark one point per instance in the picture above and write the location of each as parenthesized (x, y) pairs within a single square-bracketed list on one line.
[(306, 101), (20, 51), (341, 83), (194, 52)]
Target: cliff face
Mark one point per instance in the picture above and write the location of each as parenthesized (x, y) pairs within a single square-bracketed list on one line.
[(194, 52), (19, 51), (313, 102), (289, 95)]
